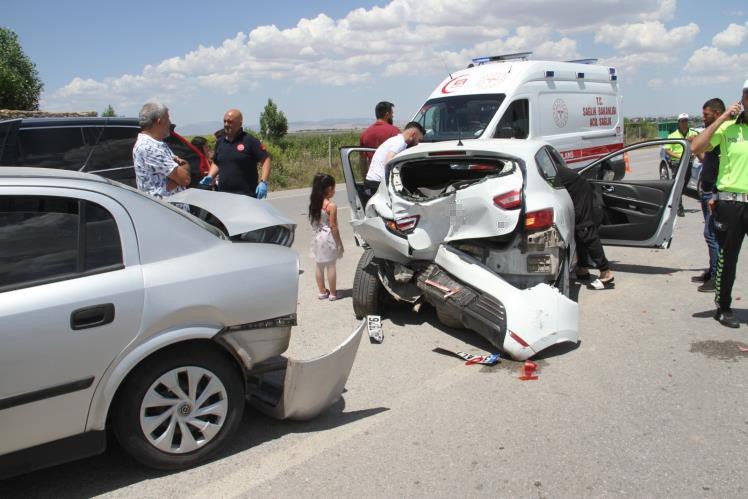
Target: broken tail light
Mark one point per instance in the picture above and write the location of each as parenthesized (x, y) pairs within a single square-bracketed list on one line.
[(538, 220), (509, 200), (402, 226)]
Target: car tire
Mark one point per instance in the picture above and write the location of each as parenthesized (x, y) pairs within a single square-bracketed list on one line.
[(448, 317), (367, 288), (664, 171), (144, 399)]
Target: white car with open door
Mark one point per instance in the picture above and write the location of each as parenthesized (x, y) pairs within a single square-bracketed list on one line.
[(477, 229)]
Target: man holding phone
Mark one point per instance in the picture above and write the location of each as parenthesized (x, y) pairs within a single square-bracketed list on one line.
[(730, 203)]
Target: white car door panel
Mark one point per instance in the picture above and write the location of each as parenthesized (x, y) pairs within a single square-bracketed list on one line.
[(639, 207)]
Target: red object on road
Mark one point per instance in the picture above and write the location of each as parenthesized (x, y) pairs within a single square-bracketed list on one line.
[(527, 373)]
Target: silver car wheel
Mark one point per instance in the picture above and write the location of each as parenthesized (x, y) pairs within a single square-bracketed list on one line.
[(183, 410)]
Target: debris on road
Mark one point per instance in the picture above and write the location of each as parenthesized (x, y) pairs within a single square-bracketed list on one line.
[(527, 372), (485, 360), (374, 326)]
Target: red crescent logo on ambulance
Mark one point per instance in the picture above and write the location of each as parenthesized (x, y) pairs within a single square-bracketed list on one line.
[(454, 84), (240, 147)]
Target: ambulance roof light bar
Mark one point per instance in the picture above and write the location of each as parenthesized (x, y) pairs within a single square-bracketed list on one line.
[(522, 56), (583, 61)]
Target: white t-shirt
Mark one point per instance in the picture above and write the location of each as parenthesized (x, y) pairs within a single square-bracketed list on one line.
[(394, 144)]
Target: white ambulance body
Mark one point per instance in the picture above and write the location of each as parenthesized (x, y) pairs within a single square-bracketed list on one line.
[(575, 106)]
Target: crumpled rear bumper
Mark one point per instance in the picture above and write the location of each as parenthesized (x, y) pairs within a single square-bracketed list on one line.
[(521, 322), (285, 388)]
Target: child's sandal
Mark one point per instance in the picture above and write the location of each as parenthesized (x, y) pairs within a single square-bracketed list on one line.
[(334, 297), (324, 296)]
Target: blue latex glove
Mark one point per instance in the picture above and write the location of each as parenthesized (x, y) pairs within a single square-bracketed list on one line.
[(206, 180), (262, 190)]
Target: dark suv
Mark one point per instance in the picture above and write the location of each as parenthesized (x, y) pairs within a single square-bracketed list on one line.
[(95, 145)]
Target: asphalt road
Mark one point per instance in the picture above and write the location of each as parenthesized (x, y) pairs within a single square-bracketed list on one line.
[(653, 402)]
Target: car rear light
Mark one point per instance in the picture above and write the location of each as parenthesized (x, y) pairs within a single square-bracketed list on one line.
[(403, 225), (473, 167), (537, 220), (517, 338), (509, 200)]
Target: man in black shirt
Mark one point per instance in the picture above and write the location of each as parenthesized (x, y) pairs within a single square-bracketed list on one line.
[(587, 218), (709, 168), (237, 154)]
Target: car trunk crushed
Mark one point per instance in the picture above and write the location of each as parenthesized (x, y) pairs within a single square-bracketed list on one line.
[(452, 228)]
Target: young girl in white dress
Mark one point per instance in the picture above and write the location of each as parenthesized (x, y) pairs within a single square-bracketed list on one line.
[(326, 245)]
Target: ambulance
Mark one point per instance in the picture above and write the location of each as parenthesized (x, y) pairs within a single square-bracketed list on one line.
[(574, 105)]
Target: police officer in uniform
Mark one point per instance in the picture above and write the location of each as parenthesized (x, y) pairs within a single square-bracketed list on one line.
[(675, 151), (730, 132), (237, 155)]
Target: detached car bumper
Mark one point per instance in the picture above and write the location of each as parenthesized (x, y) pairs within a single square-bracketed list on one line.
[(286, 388), (521, 322)]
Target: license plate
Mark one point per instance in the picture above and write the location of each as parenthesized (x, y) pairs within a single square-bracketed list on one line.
[(374, 326)]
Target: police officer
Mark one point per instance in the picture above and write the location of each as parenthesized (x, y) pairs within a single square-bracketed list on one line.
[(730, 132), (237, 154), (675, 151)]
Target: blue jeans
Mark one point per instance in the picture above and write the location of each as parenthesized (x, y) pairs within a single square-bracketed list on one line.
[(709, 237)]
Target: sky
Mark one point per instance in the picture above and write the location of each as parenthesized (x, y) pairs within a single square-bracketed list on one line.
[(336, 59)]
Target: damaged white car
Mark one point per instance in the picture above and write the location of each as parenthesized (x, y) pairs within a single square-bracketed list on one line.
[(119, 312), (477, 229)]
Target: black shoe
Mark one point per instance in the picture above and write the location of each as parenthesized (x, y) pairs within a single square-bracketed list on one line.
[(726, 318), (707, 287), (681, 211), (703, 277)]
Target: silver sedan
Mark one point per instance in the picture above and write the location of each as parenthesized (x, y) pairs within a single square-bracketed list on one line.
[(120, 312)]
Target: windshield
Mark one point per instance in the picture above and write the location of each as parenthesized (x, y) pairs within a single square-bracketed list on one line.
[(458, 117)]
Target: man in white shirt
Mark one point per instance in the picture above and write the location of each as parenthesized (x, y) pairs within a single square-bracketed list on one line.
[(411, 136), (158, 171)]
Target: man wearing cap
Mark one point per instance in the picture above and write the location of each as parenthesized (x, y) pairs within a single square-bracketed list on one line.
[(730, 206), (675, 151)]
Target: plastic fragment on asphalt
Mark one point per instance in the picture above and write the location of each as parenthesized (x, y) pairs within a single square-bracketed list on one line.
[(485, 360), (374, 327), (527, 372)]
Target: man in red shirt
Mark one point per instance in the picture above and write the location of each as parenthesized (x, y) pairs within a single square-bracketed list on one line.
[(378, 132)]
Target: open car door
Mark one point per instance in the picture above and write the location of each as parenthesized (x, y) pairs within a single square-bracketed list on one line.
[(355, 165), (639, 207)]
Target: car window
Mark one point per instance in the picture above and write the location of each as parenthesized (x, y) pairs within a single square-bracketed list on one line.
[(515, 123), (546, 166), (56, 147), (114, 148), (49, 238)]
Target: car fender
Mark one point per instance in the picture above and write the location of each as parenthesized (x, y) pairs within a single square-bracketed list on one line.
[(127, 360)]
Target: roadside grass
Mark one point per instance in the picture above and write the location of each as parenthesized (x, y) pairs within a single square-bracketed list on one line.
[(297, 157)]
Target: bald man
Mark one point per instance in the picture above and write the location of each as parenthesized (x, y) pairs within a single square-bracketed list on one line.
[(237, 155)]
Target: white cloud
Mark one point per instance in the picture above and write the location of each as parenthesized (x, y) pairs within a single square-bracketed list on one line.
[(714, 61), (630, 64), (647, 36), (403, 37), (733, 36)]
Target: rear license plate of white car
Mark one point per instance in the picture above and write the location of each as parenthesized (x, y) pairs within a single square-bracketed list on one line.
[(374, 326)]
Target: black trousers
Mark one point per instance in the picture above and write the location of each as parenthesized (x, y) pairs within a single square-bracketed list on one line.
[(731, 225), (590, 251)]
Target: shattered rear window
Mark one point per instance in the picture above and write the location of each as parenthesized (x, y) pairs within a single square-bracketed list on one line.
[(431, 178)]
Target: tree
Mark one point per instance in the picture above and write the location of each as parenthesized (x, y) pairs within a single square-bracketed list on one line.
[(108, 112), (20, 85), (273, 123)]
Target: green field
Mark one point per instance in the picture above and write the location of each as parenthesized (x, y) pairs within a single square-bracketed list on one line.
[(297, 157)]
